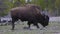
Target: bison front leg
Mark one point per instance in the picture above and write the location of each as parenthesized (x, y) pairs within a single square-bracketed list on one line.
[(29, 23), (36, 24)]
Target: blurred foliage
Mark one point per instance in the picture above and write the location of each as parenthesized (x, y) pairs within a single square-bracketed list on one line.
[(4, 11), (57, 3), (50, 4)]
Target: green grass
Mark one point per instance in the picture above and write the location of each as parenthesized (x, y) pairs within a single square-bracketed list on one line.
[(19, 29)]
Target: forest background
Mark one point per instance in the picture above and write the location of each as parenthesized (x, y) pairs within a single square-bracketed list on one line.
[(50, 6)]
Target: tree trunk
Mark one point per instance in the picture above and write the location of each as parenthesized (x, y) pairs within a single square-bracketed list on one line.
[(59, 11), (0, 19)]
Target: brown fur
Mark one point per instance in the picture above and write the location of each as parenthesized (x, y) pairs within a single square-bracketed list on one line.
[(31, 14)]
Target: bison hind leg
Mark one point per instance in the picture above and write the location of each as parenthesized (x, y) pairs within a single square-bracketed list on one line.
[(13, 21), (29, 24)]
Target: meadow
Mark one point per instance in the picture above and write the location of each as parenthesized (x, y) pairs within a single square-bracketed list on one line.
[(52, 28)]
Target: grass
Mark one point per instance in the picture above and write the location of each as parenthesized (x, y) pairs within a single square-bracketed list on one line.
[(53, 28)]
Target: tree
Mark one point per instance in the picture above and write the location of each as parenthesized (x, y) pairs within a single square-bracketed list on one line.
[(17, 3), (58, 6)]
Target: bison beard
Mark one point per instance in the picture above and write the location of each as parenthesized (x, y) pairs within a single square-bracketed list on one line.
[(44, 20)]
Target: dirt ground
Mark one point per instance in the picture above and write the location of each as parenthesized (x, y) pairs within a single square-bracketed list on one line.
[(52, 28)]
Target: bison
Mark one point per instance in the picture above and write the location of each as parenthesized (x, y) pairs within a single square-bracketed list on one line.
[(30, 13)]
